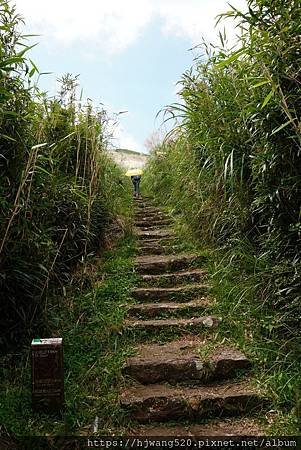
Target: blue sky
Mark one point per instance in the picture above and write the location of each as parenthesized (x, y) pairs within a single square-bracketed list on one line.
[(129, 54)]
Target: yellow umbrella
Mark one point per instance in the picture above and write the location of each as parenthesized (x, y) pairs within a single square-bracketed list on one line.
[(133, 172)]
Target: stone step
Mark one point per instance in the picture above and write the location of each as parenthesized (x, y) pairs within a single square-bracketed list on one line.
[(148, 209), (226, 427), (152, 223), (154, 265), (193, 323), (140, 215), (147, 200), (157, 242), (150, 228), (159, 402), (153, 218), (143, 204), (179, 361), (154, 234), (176, 278), (139, 207), (151, 242), (151, 310), (155, 249), (180, 293), (143, 199)]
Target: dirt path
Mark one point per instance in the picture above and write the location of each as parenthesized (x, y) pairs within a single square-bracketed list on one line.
[(189, 377)]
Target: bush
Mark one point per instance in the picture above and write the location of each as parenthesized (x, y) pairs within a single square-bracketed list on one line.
[(232, 166), (59, 191)]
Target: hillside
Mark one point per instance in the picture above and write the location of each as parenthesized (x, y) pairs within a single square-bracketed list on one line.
[(128, 159)]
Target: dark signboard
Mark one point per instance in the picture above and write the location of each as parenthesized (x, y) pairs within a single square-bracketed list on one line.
[(47, 374)]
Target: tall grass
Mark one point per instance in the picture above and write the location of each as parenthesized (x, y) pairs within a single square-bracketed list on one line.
[(231, 166), (59, 191)]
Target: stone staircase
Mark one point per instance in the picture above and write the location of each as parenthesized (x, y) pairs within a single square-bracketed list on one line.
[(188, 377)]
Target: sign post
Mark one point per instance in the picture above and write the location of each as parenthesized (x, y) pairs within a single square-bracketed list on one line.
[(47, 373)]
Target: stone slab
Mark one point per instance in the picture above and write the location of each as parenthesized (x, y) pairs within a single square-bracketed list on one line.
[(180, 361), (180, 293), (159, 402), (152, 310), (176, 278), (154, 265), (205, 322)]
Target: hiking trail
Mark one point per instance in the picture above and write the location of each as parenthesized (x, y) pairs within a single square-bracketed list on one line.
[(201, 394)]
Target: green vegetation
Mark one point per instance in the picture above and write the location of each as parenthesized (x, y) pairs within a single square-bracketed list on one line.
[(63, 203), (90, 322), (230, 173), (59, 191)]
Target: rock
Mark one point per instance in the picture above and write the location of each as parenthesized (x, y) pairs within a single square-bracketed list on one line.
[(181, 293), (146, 222), (176, 278), (159, 215), (179, 361), (150, 228), (147, 211), (176, 324), (150, 310), (154, 234), (159, 402), (153, 265), (154, 249)]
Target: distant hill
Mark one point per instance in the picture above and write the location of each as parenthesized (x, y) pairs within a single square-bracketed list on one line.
[(128, 159)]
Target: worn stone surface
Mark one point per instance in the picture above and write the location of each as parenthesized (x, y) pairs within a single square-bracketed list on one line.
[(151, 310), (151, 242), (227, 427), (152, 222), (176, 278), (159, 234), (159, 402), (197, 386), (151, 228), (160, 324), (152, 265), (144, 204), (154, 249), (180, 361), (148, 209), (151, 216), (181, 293), (155, 241)]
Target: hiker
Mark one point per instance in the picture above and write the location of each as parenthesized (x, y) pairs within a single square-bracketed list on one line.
[(136, 182)]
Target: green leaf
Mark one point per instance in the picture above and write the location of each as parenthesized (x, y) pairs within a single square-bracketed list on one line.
[(26, 49), (267, 99), (233, 57), (281, 127), (261, 83), (8, 137), (34, 65), (39, 145), (66, 137), (41, 169)]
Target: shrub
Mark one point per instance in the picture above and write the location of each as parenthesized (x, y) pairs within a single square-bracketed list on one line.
[(59, 190)]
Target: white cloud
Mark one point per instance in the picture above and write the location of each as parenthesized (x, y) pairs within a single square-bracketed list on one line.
[(123, 139), (120, 137), (196, 19), (113, 25)]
